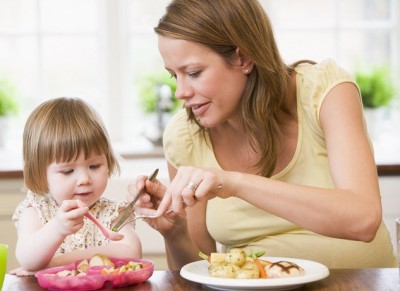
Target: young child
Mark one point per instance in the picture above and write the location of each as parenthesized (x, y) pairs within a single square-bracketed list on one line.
[(68, 160)]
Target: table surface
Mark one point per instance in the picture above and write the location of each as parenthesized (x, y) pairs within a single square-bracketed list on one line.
[(338, 279)]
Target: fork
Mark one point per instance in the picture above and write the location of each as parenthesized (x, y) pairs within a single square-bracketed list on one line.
[(139, 216)]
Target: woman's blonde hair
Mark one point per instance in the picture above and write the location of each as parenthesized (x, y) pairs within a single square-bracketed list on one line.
[(224, 26), (58, 130)]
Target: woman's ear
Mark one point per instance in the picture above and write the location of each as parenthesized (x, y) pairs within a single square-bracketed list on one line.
[(246, 64)]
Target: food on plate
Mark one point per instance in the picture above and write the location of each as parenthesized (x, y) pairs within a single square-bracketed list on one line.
[(283, 269), (223, 270), (236, 257), (236, 264)]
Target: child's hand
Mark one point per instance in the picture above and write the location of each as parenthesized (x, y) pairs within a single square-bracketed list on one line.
[(70, 216), (21, 272)]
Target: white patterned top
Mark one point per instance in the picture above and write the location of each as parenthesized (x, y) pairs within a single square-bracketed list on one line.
[(105, 210)]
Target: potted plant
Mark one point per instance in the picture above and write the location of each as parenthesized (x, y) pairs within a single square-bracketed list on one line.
[(377, 89), (8, 106), (157, 99), (148, 90), (377, 92)]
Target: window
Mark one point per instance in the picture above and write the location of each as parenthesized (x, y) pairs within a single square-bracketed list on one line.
[(97, 49)]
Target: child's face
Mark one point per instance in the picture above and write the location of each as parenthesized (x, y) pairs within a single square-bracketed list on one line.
[(81, 179)]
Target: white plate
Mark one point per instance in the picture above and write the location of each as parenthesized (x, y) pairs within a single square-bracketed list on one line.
[(313, 271)]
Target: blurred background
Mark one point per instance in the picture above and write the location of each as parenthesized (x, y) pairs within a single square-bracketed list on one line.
[(105, 51)]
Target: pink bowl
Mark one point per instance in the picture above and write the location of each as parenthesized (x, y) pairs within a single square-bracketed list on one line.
[(94, 279)]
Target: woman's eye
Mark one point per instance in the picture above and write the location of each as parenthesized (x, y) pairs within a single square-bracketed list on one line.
[(194, 74)]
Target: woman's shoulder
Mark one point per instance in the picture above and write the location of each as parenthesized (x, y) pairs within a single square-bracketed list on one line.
[(325, 71), (314, 81)]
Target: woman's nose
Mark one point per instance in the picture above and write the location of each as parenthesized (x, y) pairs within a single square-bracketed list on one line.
[(183, 89)]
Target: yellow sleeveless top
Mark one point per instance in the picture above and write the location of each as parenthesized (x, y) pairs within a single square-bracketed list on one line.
[(235, 223)]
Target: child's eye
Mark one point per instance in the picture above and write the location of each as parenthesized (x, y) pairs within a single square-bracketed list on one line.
[(95, 166), (67, 172)]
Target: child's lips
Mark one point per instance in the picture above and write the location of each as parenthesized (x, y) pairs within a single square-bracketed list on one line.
[(83, 193)]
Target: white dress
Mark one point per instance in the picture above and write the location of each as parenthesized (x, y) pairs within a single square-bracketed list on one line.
[(89, 235)]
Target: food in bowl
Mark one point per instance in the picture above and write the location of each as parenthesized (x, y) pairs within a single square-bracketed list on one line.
[(95, 273)]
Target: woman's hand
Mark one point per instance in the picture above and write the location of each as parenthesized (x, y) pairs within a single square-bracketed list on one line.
[(191, 185), (149, 202), (154, 192), (70, 216)]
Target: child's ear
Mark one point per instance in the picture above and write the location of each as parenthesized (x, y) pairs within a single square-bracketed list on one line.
[(246, 64)]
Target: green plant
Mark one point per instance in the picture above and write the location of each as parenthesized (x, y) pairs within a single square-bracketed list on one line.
[(148, 86), (8, 104), (376, 87)]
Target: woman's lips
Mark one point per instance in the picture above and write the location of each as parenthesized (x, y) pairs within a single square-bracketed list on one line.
[(200, 109)]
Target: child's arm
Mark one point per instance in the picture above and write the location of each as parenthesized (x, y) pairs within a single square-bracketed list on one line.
[(38, 243), (129, 247)]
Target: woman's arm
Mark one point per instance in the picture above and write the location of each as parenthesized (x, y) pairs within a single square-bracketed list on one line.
[(190, 236), (350, 211), (353, 209)]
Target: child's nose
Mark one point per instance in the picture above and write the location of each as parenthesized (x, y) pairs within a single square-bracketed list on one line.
[(84, 178)]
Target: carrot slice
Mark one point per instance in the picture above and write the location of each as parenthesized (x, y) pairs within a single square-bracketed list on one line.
[(261, 269)]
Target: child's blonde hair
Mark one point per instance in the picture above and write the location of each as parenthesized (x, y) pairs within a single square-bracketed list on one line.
[(57, 131)]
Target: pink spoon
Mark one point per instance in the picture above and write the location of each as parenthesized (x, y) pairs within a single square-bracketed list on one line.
[(107, 232)]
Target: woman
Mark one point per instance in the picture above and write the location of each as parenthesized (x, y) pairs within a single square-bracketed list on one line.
[(266, 156)]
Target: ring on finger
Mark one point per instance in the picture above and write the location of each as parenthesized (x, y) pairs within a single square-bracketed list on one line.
[(192, 186)]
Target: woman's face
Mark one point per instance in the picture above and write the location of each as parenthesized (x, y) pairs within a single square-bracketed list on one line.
[(205, 82), (80, 179)]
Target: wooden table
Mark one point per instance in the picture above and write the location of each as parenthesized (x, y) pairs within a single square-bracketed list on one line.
[(338, 279)]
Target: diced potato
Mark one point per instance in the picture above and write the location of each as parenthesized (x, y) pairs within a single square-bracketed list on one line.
[(236, 257), (223, 270), (249, 265), (65, 273), (96, 260), (83, 266), (216, 258), (100, 260), (248, 274), (107, 262)]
